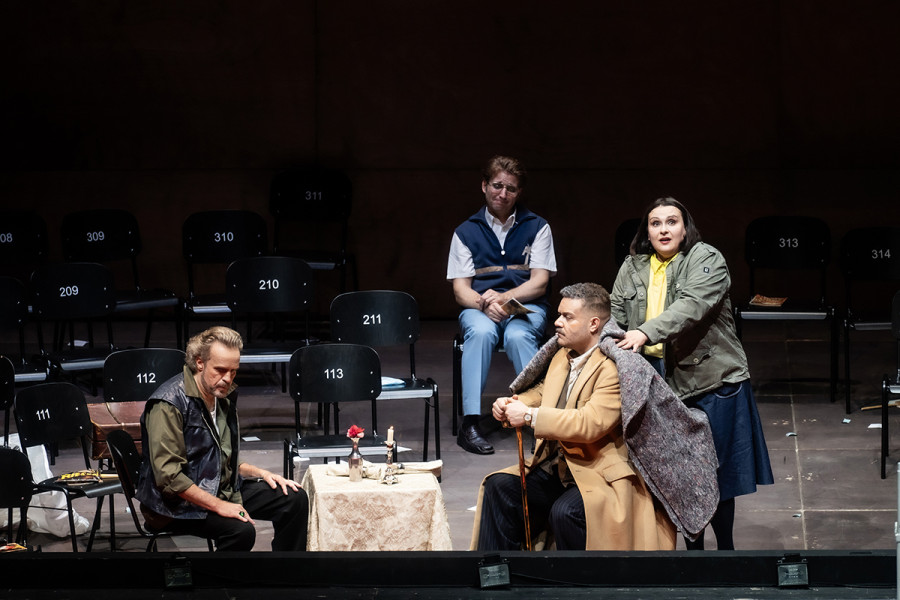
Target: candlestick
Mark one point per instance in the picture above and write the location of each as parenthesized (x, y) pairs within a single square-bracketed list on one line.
[(389, 476), (390, 438)]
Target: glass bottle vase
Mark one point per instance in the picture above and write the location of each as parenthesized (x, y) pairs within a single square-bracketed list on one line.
[(355, 462)]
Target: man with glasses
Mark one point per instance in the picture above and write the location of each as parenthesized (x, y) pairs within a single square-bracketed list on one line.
[(500, 257)]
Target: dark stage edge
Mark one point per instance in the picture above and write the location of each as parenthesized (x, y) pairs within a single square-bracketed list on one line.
[(272, 576)]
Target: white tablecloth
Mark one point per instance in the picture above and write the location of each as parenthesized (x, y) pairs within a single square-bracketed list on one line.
[(368, 515)]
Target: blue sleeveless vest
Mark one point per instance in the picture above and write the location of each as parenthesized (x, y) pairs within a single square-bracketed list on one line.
[(497, 268)]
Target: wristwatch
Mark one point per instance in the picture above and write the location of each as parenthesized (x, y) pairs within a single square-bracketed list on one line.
[(528, 417)]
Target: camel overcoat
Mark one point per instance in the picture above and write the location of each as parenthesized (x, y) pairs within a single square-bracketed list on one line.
[(619, 509)]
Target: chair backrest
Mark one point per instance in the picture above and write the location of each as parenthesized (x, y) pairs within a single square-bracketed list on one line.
[(869, 254), (311, 195), (375, 318), (624, 235), (222, 236), (100, 235), (275, 284), (16, 485), (23, 241), (73, 291), (795, 243), (788, 242), (329, 373), (126, 459), (132, 375), (48, 413)]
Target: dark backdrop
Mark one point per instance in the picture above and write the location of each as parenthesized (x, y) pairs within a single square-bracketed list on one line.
[(739, 109)]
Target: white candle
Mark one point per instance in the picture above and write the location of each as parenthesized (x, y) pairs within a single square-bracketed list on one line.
[(390, 439)]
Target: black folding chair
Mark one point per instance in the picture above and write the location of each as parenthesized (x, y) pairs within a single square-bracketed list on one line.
[(217, 237), (786, 247), (66, 294), (382, 319), (48, 414), (127, 460), (113, 236), (329, 374), (279, 288), (311, 209), (870, 261)]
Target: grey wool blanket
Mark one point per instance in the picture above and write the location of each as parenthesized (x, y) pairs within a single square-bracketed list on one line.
[(670, 444)]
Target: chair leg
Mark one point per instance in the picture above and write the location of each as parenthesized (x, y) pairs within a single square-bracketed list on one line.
[(885, 387), (71, 523), (457, 385), (95, 525), (835, 342), (847, 365)]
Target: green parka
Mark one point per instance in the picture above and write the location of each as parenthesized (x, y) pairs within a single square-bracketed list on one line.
[(702, 350)]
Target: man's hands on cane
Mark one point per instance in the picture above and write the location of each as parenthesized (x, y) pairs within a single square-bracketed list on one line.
[(510, 411)]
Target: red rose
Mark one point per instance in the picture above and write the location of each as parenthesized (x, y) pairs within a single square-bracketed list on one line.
[(355, 432)]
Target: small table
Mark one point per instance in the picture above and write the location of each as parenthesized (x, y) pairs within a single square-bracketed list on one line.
[(368, 515)]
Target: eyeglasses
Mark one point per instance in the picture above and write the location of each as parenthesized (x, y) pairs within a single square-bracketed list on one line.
[(510, 189)]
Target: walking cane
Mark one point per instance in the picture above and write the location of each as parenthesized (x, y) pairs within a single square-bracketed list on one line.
[(524, 489)]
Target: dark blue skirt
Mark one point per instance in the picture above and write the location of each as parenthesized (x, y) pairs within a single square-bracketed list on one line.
[(738, 436)]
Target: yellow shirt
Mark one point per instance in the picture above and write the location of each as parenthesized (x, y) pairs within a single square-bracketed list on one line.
[(656, 298)]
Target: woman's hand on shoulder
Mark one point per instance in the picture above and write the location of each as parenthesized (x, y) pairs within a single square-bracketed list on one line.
[(633, 340)]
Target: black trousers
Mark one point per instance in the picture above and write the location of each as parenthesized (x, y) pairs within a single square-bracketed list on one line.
[(550, 506), (289, 515)]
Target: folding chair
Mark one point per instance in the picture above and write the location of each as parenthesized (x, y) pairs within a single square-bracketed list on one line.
[(785, 247), (127, 460), (129, 378), (328, 374), (316, 203), (276, 287), (68, 293), (217, 237), (386, 318), (870, 256), (48, 414), (16, 490), (110, 236), (890, 385)]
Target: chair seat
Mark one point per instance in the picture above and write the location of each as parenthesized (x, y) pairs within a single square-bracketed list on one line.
[(145, 300), (79, 359), (89, 490), (208, 304), (412, 388), (787, 312), (338, 445), (27, 372), (269, 353)]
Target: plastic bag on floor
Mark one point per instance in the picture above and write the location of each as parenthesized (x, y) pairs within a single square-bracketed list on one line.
[(47, 512)]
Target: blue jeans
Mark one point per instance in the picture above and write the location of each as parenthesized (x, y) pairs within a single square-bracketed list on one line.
[(522, 336)]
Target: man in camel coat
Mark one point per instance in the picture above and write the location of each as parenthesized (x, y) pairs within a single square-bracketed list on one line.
[(582, 488)]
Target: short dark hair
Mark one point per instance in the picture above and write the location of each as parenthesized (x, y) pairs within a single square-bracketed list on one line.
[(594, 296), (199, 345), (505, 163), (641, 242)]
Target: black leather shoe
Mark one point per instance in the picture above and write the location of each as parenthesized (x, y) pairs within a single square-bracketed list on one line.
[(470, 440)]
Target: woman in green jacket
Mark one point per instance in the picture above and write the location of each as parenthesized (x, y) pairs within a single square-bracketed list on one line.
[(671, 297)]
